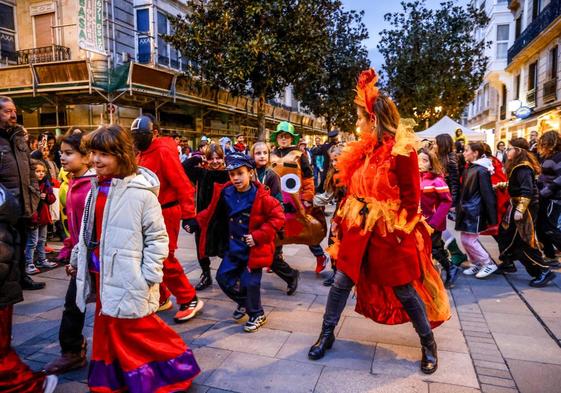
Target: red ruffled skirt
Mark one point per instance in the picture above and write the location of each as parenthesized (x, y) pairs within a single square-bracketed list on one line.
[(141, 355)]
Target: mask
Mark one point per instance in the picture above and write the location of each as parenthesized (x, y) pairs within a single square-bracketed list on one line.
[(143, 140)]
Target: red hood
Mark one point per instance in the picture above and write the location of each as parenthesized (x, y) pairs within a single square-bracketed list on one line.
[(161, 143)]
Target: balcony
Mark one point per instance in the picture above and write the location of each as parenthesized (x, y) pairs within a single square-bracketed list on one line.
[(531, 98), (550, 91), (44, 54), (551, 12)]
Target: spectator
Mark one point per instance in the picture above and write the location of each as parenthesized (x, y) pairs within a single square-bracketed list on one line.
[(240, 145), (501, 152)]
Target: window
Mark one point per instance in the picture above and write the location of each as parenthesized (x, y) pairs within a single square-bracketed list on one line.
[(7, 33), (518, 26), (143, 41), (517, 87), (532, 76), (536, 6), (502, 41), (163, 46), (553, 54)]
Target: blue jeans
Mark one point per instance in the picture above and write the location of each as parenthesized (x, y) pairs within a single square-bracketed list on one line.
[(36, 239), (316, 250), (241, 285), (407, 295)]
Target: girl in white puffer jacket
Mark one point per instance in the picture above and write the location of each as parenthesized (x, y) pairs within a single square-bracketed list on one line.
[(123, 243)]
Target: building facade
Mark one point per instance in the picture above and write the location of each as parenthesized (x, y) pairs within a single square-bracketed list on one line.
[(533, 92), (489, 105), (83, 63)]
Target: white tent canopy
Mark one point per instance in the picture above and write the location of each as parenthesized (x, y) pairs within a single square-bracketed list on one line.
[(449, 126)]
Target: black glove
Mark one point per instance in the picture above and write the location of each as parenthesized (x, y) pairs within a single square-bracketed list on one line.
[(192, 223)]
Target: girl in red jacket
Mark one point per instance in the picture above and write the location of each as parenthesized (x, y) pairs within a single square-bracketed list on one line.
[(253, 218), (436, 201), (37, 234)]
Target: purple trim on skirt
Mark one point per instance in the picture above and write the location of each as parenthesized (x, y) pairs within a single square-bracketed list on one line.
[(147, 378)]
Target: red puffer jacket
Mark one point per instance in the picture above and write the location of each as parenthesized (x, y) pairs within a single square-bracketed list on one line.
[(265, 220), (162, 159)]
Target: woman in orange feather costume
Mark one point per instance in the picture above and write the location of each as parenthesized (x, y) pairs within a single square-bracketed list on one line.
[(384, 246)]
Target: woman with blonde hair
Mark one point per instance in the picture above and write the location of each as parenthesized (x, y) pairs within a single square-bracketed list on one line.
[(384, 243)]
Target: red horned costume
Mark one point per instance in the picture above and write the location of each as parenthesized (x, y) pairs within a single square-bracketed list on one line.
[(384, 241)]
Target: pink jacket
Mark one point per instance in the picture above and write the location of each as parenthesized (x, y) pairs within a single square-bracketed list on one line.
[(436, 200)]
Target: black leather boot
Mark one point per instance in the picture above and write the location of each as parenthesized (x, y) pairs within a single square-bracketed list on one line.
[(541, 281), (429, 362), (205, 282), (324, 342)]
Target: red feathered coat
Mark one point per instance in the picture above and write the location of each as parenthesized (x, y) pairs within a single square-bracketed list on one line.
[(265, 220), (384, 241)]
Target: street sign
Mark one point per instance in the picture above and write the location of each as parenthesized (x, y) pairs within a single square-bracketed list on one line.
[(90, 26), (523, 112)]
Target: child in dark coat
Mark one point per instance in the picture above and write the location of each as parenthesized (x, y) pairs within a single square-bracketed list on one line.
[(253, 218), (37, 233)]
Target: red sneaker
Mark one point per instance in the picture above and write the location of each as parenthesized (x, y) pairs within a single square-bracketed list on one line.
[(188, 310), (321, 263)]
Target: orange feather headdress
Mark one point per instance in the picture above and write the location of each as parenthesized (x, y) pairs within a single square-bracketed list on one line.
[(366, 91)]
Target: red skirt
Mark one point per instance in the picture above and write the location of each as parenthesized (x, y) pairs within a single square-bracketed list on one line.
[(15, 375), (141, 355)]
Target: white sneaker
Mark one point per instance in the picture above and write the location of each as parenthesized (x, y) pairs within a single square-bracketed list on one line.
[(31, 269), (473, 270), (50, 383), (46, 263), (487, 270)]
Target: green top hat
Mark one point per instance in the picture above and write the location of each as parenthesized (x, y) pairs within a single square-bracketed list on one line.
[(285, 126)]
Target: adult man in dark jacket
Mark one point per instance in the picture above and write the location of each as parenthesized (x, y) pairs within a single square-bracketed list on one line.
[(323, 150), (16, 175)]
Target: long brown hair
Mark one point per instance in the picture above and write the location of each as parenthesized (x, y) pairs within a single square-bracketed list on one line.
[(549, 144), (386, 113), (435, 165), (479, 147), (444, 146), (116, 141), (522, 155)]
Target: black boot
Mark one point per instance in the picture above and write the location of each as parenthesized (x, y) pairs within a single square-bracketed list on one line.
[(205, 282), (293, 284), (324, 342), (429, 362), (541, 281), (451, 276)]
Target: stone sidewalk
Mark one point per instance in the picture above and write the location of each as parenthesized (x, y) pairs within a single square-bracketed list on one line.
[(501, 338)]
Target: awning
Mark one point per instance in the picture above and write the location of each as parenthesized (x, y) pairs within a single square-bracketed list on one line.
[(448, 126)]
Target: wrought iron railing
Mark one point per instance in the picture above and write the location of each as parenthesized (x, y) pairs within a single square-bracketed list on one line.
[(531, 98), (550, 91), (551, 12), (44, 54)]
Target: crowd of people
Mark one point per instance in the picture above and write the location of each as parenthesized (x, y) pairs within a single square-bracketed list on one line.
[(118, 199)]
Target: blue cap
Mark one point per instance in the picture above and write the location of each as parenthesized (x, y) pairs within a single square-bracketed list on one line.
[(142, 125), (237, 160)]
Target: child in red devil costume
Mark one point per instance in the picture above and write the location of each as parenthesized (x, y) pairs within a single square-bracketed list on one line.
[(159, 154), (384, 245)]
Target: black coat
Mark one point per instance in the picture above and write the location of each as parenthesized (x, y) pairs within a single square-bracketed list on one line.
[(477, 206), (13, 146), (549, 181), (452, 177), (10, 289)]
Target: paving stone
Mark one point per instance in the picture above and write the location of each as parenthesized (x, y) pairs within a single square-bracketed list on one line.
[(22, 332), (362, 329), (539, 349), (491, 372), (447, 388), (244, 372), (508, 305), (488, 364), (497, 358), (397, 360), (344, 354), (554, 324), (474, 328), (469, 333), (496, 389), (230, 336), (295, 321), (485, 340), (209, 359), (521, 325), (318, 306), (334, 380), (298, 301), (531, 377), (66, 386), (507, 383), (196, 388), (484, 349)]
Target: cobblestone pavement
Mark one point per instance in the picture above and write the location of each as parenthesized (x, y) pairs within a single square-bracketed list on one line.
[(503, 337)]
